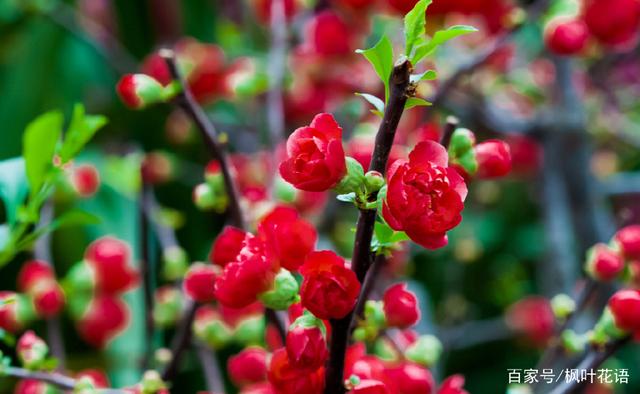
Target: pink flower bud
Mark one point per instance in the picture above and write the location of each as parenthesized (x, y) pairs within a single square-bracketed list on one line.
[(199, 282), (31, 349), (248, 367), (104, 318), (156, 168), (494, 159), (625, 307), (566, 37), (98, 378), (400, 306), (603, 263), (533, 317), (109, 258), (139, 90), (85, 180)]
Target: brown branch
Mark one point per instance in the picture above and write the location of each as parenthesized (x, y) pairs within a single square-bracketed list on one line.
[(181, 341), (145, 199), (447, 132), (361, 259)]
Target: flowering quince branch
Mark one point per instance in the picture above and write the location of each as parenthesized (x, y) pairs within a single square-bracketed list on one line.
[(145, 269), (209, 134)]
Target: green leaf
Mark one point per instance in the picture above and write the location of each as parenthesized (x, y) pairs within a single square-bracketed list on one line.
[(414, 27), (428, 75), (383, 232), (80, 131), (74, 217), (13, 186), (416, 102), (381, 58), (4, 236), (439, 38), (38, 147), (373, 100)]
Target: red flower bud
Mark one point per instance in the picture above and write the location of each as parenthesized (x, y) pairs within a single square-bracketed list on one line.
[(156, 168), (533, 317), (400, 306), (32, 386), (227, 246), (109, 258), (199, 282), (603, 263), (97, 377), (48, 300), (290, 238), (494, 158), (104, 318), (329, 288), (306, 347), (85, 180), (31, 350), (326, 34), (288, 379), (612, 22), (139, 90), (402, 6), (37, 279), (248, 367), (424, 196), (454, 384), (566, 37), (411, 378), (628, 240), (15, 311), (315, 157), (250, 274), (32, 273), (625, 307)]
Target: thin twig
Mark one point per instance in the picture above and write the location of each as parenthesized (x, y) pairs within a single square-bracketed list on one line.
[(146, 271), (42, 251), (52, 378), (367, 286), (212, 372), (181, 341), (447, 132)]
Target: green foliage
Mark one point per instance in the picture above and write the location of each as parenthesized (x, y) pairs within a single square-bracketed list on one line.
[(416, 102), (375, 101), (82, 128), (13, 188), (385, 237), (414, 28), (38, 147), (381, 58), (428, 47)]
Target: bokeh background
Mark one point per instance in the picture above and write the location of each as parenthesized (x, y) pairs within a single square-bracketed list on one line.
[(572, 123)]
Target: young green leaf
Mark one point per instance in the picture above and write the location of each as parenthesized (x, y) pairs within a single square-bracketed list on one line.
[(414, 27), (440, 37), (39, 145), (381, 58), (428, 75), (373, 100), (349, 197), (416, 102), (80, 131), (13, 186)]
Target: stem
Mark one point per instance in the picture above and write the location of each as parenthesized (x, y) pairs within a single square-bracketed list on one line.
[(180, 342), (592, 360), (56, 379), (447, 132), (274, 318), (367, 286), (211, 367), (275, 70), (399, 85), (42, 251), (146, 271), (208, 131)]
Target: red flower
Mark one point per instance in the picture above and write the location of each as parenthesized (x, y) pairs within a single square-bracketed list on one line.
[(32, 273), (248, 367), (315, 158), (326, 34), (410, 378), (612, 22), (109, 257), (454, 384), (288, 379), (199, 282), (329, 289), (227, 246), (31, 386), (533, 317), (85, 180), (400, 306), (250, 274), (625, 307), (31, 349), (306, 347), (603, 263), (290, 238), (566, 37), (104, 318), (494, 158), (628, 240), (424, 197)]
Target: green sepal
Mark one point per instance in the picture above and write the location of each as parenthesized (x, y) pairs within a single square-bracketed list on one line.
[(284, 291), (425, 351)]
